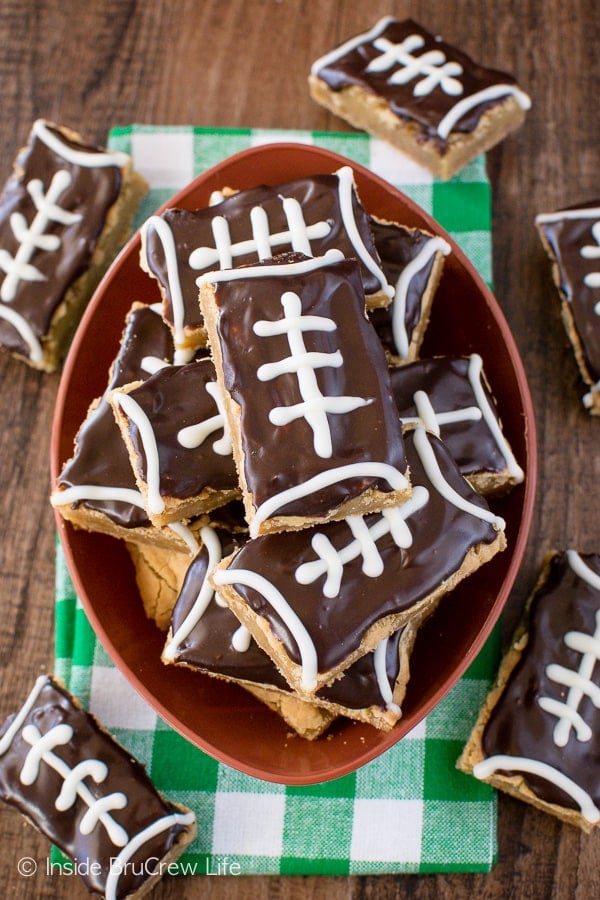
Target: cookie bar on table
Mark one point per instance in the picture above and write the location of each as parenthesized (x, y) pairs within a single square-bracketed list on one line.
[(96, 488), (412, 260), (571, 238), (174, 430), (309, 215), (422, 95), (88, 795), (304, 379), (205, 635), (451, 396), (317, 600), (537, 736), (64, 213)]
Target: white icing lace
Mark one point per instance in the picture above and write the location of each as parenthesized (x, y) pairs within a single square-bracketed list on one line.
[(302, 363)]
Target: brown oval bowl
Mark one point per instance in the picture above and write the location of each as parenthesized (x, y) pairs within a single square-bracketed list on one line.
[(222, 718)]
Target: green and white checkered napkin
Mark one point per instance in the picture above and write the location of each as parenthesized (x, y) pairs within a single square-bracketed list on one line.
[(409, 810)]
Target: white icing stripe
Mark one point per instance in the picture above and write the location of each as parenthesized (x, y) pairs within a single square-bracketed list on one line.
[(119, 863), (87, 768), (315, 406), (15, 726), (578, 681), (432, 469), (395, 479), (167, 240), (241, 639), (98, 811), (434, 245), (88, 159), (567, 718), (492, 764), (262, 242), (152, 364), (467, 103), (582, 570), (331, 562), (186, 535), (432, 421), (351, 44), (81, 492), (212, 544), (379, 664), (433, 65), (299, 268), (475, 377), (25, 330), (593, 212), (345, 177), (134, 411), (275, 598), (34, 237), (193, 436)]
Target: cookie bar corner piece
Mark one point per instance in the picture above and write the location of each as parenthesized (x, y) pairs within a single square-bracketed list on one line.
[(537, 734), (315, 436), (175, 434), (410, 88), (412, 260), (571, 239), (64, 213), (69, 777)]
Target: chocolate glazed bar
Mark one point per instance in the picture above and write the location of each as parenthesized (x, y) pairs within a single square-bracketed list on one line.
[(314, 429), (63, 214), (407, 86), (81, 789), (537, 735), (317, 600), (310, 215)]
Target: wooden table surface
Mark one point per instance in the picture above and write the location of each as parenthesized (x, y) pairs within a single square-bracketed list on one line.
[(244, 63)]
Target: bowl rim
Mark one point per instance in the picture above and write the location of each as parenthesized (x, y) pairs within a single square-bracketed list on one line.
[(518, 545)]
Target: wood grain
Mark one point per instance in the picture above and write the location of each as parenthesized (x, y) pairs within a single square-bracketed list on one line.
[(244, 63)]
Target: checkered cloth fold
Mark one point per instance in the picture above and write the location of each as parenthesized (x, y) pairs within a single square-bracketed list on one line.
[(409, 810)]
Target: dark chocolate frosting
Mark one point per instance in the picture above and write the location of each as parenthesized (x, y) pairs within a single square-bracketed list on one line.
[(397, 247), (101, 457), (446, 382), (172, 399), (278, 457), (428, 110), (90, 194), (209, 647), (566, 237), (318, 196), (93, 852), (518, 726), (442, 535)]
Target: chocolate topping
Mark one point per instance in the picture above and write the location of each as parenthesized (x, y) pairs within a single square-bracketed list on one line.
[(442, 535), (319, 200), (209, 647), (446, 382), (172, 399), (518, 726), (566, 238), (278, 457), (428, 108), (397, 247), (89, 195), (54, 708), (100, 456)]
